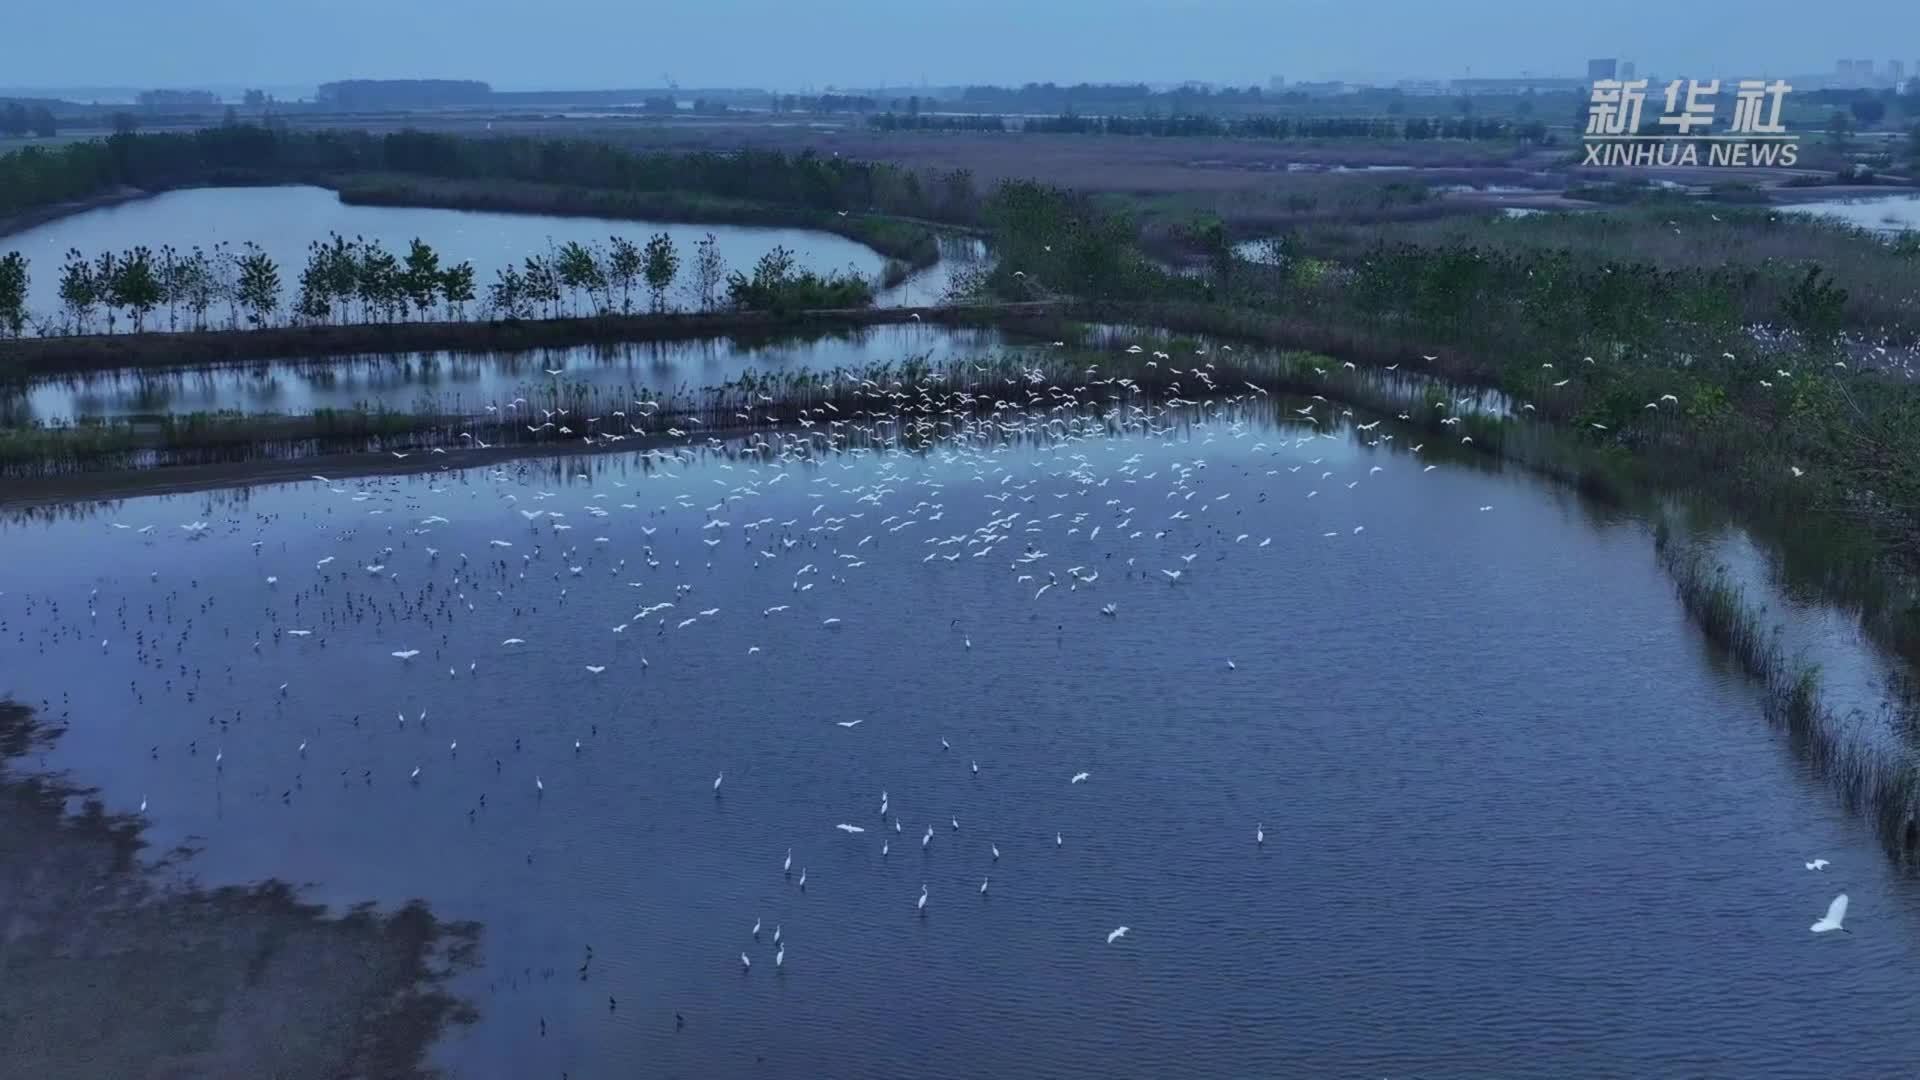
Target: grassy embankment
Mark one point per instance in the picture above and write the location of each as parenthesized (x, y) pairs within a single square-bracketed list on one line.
[(109, 970)]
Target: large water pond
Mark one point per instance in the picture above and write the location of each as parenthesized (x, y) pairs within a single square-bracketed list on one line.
[(285, 220), (1518, 819), (1887, 213)]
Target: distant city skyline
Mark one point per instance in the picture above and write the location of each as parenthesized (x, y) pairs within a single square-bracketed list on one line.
[(775, 44)]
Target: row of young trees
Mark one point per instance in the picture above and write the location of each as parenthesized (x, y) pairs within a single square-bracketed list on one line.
[(139, 281), (576, 272), (359, 280)]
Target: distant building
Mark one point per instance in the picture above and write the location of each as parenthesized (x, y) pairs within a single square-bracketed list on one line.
[(1319, 89), (1896, 72), (1277, 85), (1602, 69), (1863, 71), (1421, 87), (1626, 69)]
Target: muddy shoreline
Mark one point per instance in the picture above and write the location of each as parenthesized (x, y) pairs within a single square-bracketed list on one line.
[(27, 219), (111, 968)]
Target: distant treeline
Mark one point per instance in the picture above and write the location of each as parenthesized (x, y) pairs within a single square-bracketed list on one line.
[(824, 103), (375, 94), (1304, 127), (35, 177), (1050, 97), (1245, 127), (892, 121), (18, 120)]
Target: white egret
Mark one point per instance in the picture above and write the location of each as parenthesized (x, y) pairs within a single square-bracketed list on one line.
[(1836, 911), (1118, 933), (1817, 864)]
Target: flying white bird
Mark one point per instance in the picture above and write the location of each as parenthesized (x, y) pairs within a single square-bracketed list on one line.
[(407, 654), (1079, 778), (1836, 911), (845, 828), (1118, 933), (1817, 864)]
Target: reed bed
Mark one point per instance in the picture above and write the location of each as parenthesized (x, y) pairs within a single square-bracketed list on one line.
[(1873, 767)]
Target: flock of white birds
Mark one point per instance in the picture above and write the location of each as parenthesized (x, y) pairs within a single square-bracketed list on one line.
[(1149, 524)]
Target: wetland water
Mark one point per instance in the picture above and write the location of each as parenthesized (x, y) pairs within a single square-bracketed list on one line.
[(284, 220), (460, 382), (1519, 819)]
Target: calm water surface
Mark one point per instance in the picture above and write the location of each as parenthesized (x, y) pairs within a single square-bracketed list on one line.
[(1889, 213), (285, 220), (1519, 821), (461, 382)]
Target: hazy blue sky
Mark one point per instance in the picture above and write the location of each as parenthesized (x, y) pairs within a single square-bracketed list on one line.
[(518, 44)]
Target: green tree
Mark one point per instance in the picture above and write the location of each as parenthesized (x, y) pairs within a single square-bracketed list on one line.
[(79, 290), (315, 303), (507, 296), (709, 270), (377, 282), (1839, 124), (420, 277), (623, 268), (199, 288), (223, 280), (135, 286), (1868, 111), (106, 272), (1816, 306), (167, 268), (541, 285), (13, 293), (660, 265), (259, 285), (578, 269), (456, 286), (342, 263)]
